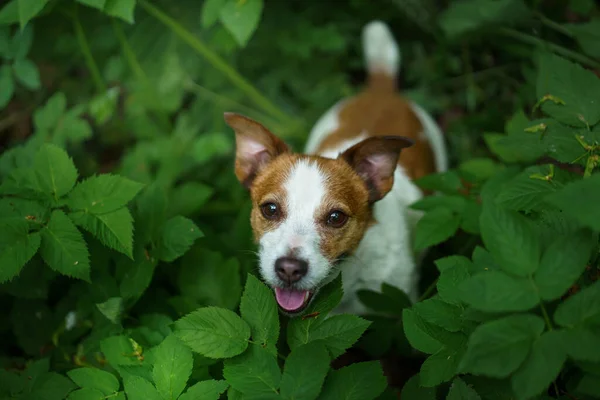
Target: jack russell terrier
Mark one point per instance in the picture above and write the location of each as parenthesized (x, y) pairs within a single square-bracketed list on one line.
[(342, 206)]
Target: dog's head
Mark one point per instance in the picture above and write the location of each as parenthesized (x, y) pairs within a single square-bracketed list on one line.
[(308, 211)]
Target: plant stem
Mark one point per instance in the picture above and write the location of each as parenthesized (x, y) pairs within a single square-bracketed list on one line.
[(546, 317), (428, 291), (553, 25), (216, 61), (87, 55), (532, 40)]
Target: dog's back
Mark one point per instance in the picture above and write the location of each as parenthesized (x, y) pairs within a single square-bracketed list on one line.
[(385, 253)]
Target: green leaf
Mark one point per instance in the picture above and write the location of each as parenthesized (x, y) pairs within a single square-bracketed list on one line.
[(119, 350), (50, 386), (360, 381), (440, 367), (541, 367), (102, 194), (496, 291), (589, 385), (338, 333), (172, 367), (29, 9), (419, 333), (214, 332), (188, 198), (581, 308), (440, 313), (63, 247), (511, 238), (205, 390), (55, 172), (384, 302), (526, 193), (467, 16), (241, 18), (499, 347), (113, 229), (98, 4), (587, 34), (17, 247), (178, 235), (7, 85), (9, 14), (413, 390), (567, 81), (137, 274), (27, 73), (562, 263), (435, 227), (304, 372), (259, 309), (48, 116), (94, 378), (454, 271), (581, 344), (577, 199), (429, 203), (86, 394), (445, 182), (122, 9), (254, 373), (460, 391), (138, 388), (112, 309), (210, 12)]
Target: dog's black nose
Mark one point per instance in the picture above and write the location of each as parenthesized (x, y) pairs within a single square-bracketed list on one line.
[(290, 270)]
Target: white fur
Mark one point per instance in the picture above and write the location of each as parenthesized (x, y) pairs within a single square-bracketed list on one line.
[(380, 49), (304, 191)]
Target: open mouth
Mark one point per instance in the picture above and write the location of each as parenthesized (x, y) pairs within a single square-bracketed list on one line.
[(292, 300)]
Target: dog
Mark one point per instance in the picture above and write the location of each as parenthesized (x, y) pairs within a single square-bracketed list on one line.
[(343, 205)]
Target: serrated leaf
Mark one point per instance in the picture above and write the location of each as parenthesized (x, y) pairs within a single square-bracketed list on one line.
[(581, 308), (541, 367), (137, 274), (122, 9), (63, 247), (138, 388), (496, 291), (526, 193), (178, 235), (499, 347), (440, 367), (435, 227), (51, 386), (113, 229), (259, 309), (254, 373), (576, 200), (205, 390), (112, 309), (337, 333), (360, 381), (172, 367), (427, 337), (562, 263), (17, 247), (440, 313), (210, 12), (54, 170), (214, 332), (460, 391), (29, 9), (94, 378), (98, 4), (7, 85), (241, 18), (566, 81), (512, 239), (453, 271), (27, 73), (103, 193), (304, 372), (118, 350)]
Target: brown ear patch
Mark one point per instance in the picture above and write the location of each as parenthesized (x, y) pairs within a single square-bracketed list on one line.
[(256, 146), (375, 160)]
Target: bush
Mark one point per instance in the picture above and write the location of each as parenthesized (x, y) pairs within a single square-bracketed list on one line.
[(125, 245)]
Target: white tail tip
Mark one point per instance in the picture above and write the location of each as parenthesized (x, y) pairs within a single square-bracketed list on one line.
[(380, 49)]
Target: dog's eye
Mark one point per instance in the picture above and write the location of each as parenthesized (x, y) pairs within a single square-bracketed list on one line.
[(336, 219), (270, 210)]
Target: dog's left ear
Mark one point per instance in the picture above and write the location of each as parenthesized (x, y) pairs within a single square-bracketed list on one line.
[(256, 146), (375, 160)]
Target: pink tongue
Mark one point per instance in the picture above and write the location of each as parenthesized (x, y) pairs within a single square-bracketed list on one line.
[(290, 299)]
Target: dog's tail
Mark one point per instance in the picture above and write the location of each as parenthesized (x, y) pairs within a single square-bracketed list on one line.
[(382, 56)]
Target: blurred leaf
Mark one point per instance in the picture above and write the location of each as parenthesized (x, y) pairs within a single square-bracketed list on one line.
[(460, 391), (211, 10), (99, 4), (178, 235), (17, 247), (137, 274), (304, 372), (172, 367), (214, 332), (241, 18), (122, 9), (445, 182), (103, 106), (112, 309), (63, 247), (27, 73), (587, 35), (580, 344), (7, 85), (259, 309), (581, 308), (119, 350), (360, 381), (29, 9), (413, 390), (86, 394), (51, 386), (47, 117), (189, 198), (95, 378), (576, 200), (499, 347)]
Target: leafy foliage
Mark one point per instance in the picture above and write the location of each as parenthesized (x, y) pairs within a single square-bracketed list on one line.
[(126, 264)]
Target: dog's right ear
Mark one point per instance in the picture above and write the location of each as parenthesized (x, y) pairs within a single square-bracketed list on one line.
[(256, 146)]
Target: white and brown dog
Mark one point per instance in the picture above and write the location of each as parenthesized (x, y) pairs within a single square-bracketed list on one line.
[(342, 206)]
